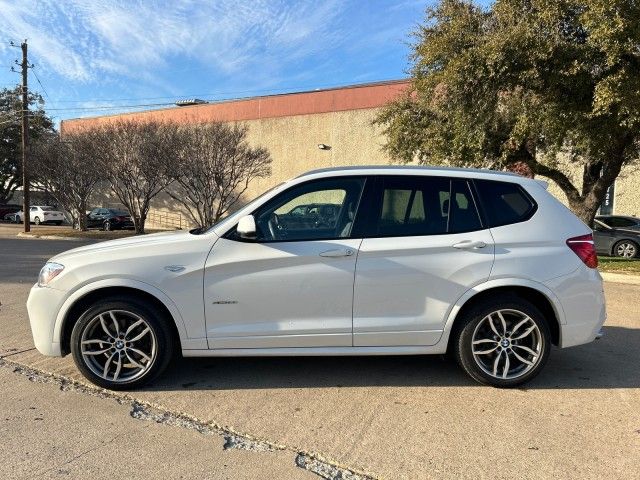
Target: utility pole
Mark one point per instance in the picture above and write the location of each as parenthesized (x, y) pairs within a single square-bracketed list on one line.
[(26, 214)]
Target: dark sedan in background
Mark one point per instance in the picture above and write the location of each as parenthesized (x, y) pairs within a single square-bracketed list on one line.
[(615, 241), (620, 221), (109, 219)]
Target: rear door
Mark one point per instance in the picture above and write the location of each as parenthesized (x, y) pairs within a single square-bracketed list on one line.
[(424, 248)]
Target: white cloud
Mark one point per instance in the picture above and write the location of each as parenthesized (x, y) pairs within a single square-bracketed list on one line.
[(84, 40)]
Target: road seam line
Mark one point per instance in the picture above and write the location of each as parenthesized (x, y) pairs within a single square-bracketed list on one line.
[(143, 410)]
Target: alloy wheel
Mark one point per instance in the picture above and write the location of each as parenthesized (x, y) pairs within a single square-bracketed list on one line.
[(626, 250), (507, 344), (118, 346)]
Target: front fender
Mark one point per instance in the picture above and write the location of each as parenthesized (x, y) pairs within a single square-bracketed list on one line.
[(120, 282)]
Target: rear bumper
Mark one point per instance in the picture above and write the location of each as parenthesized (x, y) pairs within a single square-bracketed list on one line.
[(582, 297)]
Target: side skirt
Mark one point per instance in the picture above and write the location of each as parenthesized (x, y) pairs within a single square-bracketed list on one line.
[(316, 351)]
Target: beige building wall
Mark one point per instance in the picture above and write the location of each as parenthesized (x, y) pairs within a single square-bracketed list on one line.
[(627, 189), (354, 140)]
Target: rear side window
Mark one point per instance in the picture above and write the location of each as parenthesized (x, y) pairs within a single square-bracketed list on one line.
[(413, 206), (619, 222), (504, 203)]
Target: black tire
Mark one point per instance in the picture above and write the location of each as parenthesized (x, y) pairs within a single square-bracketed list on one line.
[(631, 246), (107, 226), (58, 223), (36, 220), (156, 320), (470, 323)]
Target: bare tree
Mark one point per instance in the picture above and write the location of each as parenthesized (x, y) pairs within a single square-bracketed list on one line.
[(216, 165), (136, 158), (67, 169)]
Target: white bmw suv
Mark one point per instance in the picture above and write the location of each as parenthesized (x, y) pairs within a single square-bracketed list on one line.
[(484, 265)]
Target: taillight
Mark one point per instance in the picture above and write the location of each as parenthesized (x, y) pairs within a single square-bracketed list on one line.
[(583, 247)]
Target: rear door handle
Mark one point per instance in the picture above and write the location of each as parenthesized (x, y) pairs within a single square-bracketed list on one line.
[(469, 244), (339, 252)]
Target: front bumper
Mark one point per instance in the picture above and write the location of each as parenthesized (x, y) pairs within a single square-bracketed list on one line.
[(43, 306)]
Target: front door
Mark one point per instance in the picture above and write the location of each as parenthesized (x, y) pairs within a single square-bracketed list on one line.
[(426, 247), (293, 286)]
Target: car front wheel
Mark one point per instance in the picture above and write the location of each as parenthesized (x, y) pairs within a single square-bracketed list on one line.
[(121, 344), (37, 221), (503, 343)]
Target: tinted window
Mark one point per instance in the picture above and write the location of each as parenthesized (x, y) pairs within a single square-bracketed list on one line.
[(422, 206), (463, 215), (316, 210), (504, 203), (619, 222)]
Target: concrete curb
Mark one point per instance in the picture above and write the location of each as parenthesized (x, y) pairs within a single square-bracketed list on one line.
[(53, 237), (620, 278)]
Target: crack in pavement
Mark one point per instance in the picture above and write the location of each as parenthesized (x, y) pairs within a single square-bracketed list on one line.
[(140, 410), (16, 353)]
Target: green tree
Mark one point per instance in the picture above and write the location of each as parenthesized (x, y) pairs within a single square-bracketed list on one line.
[(11, 136), (550, 84)]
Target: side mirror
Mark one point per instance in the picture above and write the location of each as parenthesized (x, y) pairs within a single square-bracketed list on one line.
[(247, 228)]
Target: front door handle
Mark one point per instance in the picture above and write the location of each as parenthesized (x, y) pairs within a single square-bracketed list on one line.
[(469, 244), (339, 252)]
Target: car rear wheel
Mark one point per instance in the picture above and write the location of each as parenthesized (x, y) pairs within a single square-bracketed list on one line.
[(625, 249), (503, 342), (121, 343)]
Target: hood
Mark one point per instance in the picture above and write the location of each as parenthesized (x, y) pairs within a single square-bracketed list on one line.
[(136, 244)]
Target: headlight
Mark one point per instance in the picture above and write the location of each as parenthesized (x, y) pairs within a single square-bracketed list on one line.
[(50, 271)]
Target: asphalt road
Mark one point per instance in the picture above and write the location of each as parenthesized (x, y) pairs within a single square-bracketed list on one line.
[(391, 417)]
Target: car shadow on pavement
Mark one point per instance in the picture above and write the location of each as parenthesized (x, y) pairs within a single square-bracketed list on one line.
[(613, 362)]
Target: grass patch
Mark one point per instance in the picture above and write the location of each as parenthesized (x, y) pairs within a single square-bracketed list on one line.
[(619, 265), (89, 234)]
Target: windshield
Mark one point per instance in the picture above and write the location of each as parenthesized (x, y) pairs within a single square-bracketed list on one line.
[(46, 208)]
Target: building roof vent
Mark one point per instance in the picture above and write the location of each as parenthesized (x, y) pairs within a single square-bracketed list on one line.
[(190, 101)]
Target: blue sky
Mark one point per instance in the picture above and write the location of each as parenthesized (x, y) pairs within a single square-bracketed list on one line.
[(91, 54)]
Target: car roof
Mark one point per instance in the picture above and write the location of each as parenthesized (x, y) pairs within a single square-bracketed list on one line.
[(413, 170)]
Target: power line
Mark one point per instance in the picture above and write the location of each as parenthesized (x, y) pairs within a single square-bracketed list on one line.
[(78, 109), (42, 86), (210, 94)]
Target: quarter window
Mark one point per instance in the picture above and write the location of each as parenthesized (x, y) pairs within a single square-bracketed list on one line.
[(504, 203)]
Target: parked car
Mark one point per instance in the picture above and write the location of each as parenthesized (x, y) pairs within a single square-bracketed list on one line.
[(487, 266), (8, 210), (615, 242), (620, 221), (42, 214), (109, 219)]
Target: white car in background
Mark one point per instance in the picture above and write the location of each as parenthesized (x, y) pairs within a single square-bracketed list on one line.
[(42, 214), (487, 266)]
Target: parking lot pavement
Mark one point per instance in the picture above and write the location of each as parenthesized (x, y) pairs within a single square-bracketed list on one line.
[(396, 417), (51, 433)]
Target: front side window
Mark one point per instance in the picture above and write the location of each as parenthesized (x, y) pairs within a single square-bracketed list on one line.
[(412, 206), (317, 210)]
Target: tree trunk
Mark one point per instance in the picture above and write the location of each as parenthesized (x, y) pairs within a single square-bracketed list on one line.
[(585, 209), (82, 216)]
